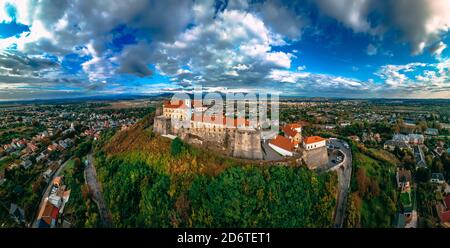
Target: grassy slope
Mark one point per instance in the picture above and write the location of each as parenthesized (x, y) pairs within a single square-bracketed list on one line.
[(377, 211), (139, 144)]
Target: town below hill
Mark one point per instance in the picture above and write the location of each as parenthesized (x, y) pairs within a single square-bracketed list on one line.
[(333, 163)]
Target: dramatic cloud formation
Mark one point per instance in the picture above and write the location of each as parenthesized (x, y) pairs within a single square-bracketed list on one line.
[(419, 22), (310, 47)]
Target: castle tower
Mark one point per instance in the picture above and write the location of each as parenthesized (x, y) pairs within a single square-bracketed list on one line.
[(162, 125), (247, 144)]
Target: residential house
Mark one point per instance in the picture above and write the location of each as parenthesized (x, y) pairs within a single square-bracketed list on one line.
[(26, 164), (282, 145), (17, 213), (432, 132), (403, 177), (416, 139), (32, 147), (54, 147), (13, 166), (419, 157), (437, 178), (55, 203), (400, 137), (377, 137), (47, 174), (294, 133), (326, 126), (354, 138), (48, 216), (41, 157), (8, 148)]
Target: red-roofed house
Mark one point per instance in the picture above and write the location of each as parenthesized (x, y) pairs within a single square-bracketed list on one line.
[(282, 145), (313, 142), (294, 133), (32, 147), (48, 215)]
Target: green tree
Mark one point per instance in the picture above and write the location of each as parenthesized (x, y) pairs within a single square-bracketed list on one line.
[(176, 147)]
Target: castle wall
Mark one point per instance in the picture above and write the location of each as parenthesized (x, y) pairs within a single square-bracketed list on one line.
[(239, 143), (162, 125), (316, 157), (247, 144)]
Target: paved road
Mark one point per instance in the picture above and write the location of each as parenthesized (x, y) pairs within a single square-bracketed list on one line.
[(344, 177), (47, 191), (91, 179)]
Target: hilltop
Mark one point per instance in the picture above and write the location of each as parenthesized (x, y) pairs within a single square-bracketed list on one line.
[(151, 181)]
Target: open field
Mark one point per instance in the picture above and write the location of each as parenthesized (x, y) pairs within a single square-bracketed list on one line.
[(126, 104)]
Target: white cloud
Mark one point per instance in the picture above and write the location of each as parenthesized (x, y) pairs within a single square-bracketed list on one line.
[(280, 59), (235, 47), (418, 76), (286, 76)]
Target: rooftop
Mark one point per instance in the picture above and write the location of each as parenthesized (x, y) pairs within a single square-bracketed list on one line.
[(289, 130), (283, 143), (179, 104), (313, 139)]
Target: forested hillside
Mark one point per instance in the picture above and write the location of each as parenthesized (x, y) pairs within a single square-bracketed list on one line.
[(151, 181)]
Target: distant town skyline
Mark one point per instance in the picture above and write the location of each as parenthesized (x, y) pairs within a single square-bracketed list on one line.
[(309, 48)]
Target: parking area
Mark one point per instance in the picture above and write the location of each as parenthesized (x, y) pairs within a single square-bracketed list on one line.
[(338, 150)]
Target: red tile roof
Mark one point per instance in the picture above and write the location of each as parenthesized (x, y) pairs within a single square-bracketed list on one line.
[(289, 130), (295, 125), (179, 104), (55, 213), (313, 139), (283, 143), (47, 213)]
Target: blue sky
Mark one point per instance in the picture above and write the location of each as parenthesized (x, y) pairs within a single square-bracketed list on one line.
[(319, 48)]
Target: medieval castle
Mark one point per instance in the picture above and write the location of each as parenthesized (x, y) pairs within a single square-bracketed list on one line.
[(237, 137), (233, 135)]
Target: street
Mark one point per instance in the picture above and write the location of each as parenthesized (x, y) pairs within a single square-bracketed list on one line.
[(47, 191), (344, 173)]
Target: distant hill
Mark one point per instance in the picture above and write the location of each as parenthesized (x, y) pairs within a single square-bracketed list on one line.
[(87, 98)]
